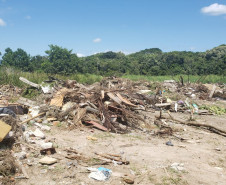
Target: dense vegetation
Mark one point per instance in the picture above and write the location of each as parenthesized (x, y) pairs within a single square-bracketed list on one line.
[(152, 61)]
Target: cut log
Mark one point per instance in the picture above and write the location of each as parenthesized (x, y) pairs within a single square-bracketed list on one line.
[(29, 83), (162, 104), (196, 124)]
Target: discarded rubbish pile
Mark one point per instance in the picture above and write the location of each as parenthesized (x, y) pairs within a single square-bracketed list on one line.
[(114, 104), (196, 90), (111, 105), (8, 91)]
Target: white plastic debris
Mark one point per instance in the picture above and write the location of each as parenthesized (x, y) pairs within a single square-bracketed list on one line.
[(34, 111), (143, 91), (46, 89), (176, 105), (20, 155), (100, 174), (46, 145), (177, 166), (27, 135), (193, 96), (42, 127), (169, 81), (39, 133), (45, 127)]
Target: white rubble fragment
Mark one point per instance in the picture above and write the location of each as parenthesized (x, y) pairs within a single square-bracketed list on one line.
[(47, 160), (20, 155), (38, 133), (98, 176), (45, 127), (177, 166), (27, 135), (34, 111), (46, 89), (42, 127), (46, 145)]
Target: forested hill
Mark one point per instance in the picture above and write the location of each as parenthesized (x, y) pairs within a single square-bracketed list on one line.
[(152, 61)]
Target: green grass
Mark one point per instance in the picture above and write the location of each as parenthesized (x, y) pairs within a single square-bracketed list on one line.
[(11, 76), (193, 78), (214, 109)]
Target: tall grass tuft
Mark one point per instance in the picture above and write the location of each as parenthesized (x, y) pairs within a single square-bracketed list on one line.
[(192, 78), (11, 76)]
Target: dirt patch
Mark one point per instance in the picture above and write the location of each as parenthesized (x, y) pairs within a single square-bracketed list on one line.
[(8, 167), (126, 127)]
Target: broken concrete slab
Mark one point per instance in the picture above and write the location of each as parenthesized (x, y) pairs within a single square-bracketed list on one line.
[(38, 133), (48, 160)]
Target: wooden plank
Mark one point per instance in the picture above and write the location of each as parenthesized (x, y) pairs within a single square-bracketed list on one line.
[(125, 100), (115, 98), (32, 118), (59, 97), (29, 83), (102, 94), (97, 125), (162, 104), (4, 129), (26, 102), (212, 91)]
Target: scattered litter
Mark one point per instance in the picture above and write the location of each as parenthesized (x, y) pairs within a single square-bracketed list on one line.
[(128, 179), (38, 133), (169, 143), (218, 168), (177, 166), (91, 138), (217, 149), (100, 174), (113, 105)]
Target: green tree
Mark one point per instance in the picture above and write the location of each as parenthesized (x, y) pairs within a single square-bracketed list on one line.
[(7, 58), (60, 60), (22, 60)]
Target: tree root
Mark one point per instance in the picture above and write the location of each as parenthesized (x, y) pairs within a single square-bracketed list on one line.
[(196, 124)]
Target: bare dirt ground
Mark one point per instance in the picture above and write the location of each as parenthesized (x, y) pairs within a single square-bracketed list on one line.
[(198, 155), (202, 153)]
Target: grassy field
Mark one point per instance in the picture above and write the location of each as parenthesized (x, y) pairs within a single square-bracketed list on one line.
[(11, 76), (193, 78)]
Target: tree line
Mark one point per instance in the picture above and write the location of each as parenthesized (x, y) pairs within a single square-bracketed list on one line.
[(152, 61)]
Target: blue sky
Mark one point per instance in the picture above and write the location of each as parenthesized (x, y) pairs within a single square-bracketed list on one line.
[(91, 26)]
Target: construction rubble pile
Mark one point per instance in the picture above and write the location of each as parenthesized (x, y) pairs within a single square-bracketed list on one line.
[(112, 105)]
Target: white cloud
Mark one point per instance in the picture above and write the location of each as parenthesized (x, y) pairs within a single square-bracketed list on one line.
[(192, 48), (126, 52), (28, 17), (214, 9), (2, 23), (97, 40), (80, 55)]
